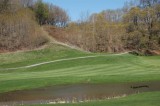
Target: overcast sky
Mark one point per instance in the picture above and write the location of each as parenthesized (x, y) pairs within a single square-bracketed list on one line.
[(76, 7)]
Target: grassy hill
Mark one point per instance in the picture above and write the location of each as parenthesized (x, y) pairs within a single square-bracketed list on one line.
[(92, 68)]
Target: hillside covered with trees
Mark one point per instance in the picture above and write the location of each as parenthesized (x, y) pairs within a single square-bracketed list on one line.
[(21, 20), (136, 26), (18, 28)]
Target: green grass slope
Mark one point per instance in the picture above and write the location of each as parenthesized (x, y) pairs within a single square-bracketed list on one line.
[(51, 52), (105, 68)]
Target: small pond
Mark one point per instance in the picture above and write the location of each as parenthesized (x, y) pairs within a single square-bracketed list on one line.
[(76, 93)]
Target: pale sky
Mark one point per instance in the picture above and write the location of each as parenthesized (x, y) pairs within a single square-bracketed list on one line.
[(76, 7)]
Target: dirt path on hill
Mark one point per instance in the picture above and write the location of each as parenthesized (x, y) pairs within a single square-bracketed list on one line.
[(59, 60), (53, 41)]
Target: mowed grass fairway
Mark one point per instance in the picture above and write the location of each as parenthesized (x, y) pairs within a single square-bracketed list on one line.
[(98, 68)]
